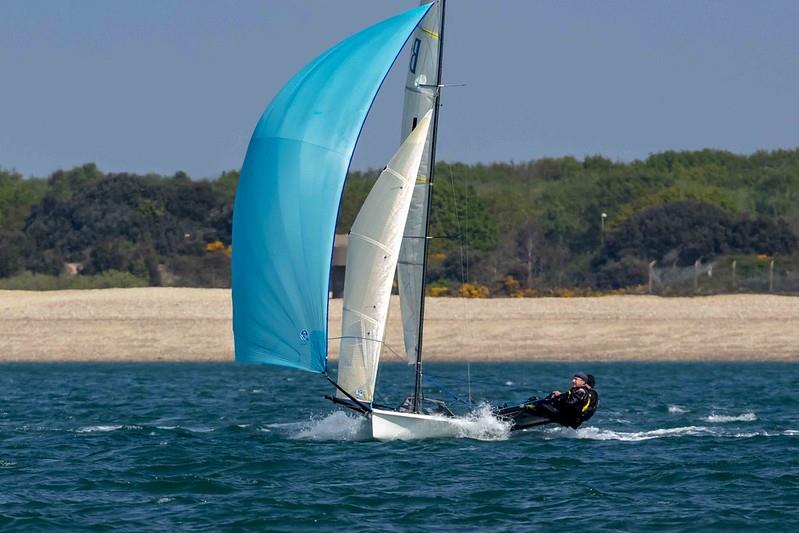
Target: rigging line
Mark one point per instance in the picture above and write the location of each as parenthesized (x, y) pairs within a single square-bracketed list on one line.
[(356, 337), (464, 264), (458, 221), (432, 378), (446, 390), (395, 353), (466, 219), (427, 374), (469, 381)]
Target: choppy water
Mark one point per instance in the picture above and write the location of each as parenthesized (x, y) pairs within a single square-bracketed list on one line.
[(218, 447)]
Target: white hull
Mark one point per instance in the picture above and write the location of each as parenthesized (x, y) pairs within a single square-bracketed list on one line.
[(393, 425)]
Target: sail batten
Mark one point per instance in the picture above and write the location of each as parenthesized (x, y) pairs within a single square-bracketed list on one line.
[(289, 192)]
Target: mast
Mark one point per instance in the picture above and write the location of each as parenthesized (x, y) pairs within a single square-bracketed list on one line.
[(417, 389)]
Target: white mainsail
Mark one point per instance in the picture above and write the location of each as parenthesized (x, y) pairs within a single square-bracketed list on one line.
[(372, 254), (420, 98)]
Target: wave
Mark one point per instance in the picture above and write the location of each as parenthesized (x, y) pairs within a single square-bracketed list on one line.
[(594, 433), (107, 428), (104, 428), (745, 417), (677, 409), (197, 429), (97, 429)]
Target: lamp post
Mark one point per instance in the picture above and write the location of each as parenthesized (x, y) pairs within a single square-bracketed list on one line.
[(602, 230)]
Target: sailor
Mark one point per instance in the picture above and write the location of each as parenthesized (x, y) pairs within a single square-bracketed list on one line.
[(573, 407)]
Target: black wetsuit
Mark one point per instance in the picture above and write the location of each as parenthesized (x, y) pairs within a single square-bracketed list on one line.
[(571, 408)]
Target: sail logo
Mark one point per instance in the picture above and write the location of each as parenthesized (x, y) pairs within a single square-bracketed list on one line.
[(304, 335), (417, 43), (359, 393)]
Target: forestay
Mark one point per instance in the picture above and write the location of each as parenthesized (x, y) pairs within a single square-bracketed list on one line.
[(372, 253), (420, 97), (288, 197)]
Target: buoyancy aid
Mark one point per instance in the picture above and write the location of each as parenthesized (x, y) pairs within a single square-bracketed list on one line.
[(592, 402), (576, 406)]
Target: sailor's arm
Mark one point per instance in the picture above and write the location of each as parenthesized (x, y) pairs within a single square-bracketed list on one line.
[(574, 397)]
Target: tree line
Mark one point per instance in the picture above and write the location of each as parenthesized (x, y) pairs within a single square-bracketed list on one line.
[(502, 229)]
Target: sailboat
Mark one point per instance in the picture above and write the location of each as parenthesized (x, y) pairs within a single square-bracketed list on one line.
[(285, 216)]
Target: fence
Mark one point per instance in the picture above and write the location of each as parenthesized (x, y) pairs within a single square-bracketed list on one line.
[(729, 274)]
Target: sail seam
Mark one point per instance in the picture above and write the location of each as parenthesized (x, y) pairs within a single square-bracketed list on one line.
[(361, 315), (299, 141), (372, 241), (394, 173)]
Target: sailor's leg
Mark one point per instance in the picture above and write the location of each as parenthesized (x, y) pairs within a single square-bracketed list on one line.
[(546, 407)]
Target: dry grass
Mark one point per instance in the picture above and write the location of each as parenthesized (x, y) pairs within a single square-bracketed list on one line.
[(152, 324)]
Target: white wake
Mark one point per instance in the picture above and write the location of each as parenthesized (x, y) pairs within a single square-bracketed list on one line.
[(595, 433), (481, 424), (335, 426), (745, 417)]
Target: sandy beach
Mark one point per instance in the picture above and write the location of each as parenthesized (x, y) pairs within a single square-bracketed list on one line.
[(171, 324)]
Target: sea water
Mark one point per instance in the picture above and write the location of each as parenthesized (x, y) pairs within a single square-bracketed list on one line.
[(207, 447)]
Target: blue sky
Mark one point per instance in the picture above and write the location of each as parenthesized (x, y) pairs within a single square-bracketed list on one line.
[(168, 85)]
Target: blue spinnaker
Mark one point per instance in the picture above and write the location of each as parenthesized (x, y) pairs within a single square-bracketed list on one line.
[(289, 192)]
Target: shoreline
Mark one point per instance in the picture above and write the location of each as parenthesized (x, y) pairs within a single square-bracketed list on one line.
[(185, 324)]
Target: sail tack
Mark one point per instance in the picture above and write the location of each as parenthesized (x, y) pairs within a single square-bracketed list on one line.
[(288, 197), (420, 97), (372, 254)]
